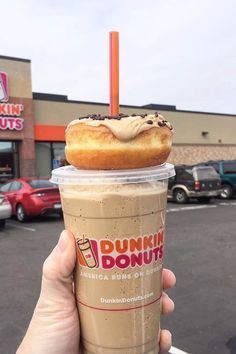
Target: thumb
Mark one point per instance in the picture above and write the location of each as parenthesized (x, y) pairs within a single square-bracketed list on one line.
[(54, 327), (57, 280)]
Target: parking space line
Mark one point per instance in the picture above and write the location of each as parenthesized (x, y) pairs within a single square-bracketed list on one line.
[(190, 208), (22, 227), (224, 203), (174, 350)]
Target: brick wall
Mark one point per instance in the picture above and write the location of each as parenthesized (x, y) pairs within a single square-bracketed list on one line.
[(191, 154)]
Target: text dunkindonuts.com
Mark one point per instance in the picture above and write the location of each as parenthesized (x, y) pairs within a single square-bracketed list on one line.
[(122, 253), (125, 300)]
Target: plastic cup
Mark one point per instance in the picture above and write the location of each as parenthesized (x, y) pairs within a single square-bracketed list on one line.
[(118, 220)]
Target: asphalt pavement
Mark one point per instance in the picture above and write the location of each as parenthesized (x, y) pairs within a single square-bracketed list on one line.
[(200, 249)]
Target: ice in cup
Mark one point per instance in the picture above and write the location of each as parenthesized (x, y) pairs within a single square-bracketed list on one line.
[(118, 220)]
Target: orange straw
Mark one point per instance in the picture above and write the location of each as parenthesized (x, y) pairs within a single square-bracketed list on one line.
[(114, 73)]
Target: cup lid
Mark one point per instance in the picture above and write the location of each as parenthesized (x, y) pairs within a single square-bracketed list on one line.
[(69, 175)]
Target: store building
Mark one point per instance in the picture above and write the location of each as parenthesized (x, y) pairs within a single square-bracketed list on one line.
[(32, 126)]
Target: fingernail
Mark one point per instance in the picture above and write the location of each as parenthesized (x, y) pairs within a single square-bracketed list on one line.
[(164, 294), (62, 242)]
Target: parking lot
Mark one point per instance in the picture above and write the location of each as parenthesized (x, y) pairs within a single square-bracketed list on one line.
[(200, 249)]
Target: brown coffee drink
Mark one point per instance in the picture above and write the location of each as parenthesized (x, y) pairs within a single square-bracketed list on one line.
[(114, 201), (119, 231)]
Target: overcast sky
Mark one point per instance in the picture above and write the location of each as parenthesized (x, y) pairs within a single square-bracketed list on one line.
[(178, 52)]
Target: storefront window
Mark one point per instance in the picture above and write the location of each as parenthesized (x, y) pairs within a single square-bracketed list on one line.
[(43, 159), (49, 156), (6, 146), (58, 152), (9, 162)]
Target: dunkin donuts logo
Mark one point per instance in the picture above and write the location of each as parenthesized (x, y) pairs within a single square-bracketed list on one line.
[(10, 113), (3, 87), (121, 253)]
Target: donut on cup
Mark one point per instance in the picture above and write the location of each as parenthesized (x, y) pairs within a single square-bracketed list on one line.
[(98, 142)]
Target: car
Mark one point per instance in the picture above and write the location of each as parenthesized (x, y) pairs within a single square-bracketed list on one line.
[(32, 196), (227, 172), (199, 182), (5, 210)]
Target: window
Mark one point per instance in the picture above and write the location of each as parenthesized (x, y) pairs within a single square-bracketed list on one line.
[(6, 146), (49, 156), (206, 172), (216, 166), (229, 167), (58, 153), (15, 186), (185, 174), (41, 183), (9, 162), (5, 187), (43, 159)]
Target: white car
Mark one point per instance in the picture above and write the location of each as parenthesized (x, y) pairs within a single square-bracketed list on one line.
[(5, 210)]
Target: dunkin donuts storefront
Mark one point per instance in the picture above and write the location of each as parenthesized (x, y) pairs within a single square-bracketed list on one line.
[(32, 126), (17, 148), (26, 148)]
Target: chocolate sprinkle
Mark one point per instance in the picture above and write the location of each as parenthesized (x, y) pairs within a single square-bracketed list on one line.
[(100, 117), (161, 124)]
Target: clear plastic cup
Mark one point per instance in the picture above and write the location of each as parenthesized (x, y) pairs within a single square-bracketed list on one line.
[(118, 220)]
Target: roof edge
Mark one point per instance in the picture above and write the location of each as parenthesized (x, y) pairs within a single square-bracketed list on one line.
[(15, 59), (162, 107)]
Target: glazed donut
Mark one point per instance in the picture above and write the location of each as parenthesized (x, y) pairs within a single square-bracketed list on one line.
[(120, 142)]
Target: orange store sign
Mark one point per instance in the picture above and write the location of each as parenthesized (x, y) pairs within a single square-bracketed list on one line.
[(10, 113)]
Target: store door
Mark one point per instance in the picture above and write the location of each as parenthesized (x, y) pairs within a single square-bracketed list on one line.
[(9, 161)]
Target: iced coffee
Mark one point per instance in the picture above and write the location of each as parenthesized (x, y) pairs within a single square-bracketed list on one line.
[(118, 219)]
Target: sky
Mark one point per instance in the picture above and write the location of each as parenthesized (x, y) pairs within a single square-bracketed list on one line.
[(177, 52)]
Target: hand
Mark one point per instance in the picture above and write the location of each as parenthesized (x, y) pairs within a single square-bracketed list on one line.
[(54, 327)]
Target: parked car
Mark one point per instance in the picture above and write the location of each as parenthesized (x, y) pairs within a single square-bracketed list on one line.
[(5, 209), (32, 196), (227, 172), (200, 182)]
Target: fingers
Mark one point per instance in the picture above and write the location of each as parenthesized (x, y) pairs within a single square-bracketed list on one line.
[(165, 341), (168, 279), (167, 305), (58, 268)]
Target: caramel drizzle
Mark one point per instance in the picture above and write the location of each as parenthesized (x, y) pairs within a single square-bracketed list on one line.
[(125, 127)]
